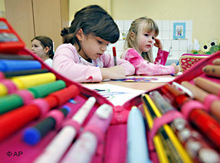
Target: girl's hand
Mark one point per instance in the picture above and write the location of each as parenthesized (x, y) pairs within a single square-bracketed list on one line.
[(158, 44), (177, 68), (116, 72)]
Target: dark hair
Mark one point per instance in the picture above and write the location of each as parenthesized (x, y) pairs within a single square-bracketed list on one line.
[(92, 20), (46, 42)]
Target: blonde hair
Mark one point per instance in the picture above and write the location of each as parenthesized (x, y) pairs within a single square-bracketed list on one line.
[(137, 26)]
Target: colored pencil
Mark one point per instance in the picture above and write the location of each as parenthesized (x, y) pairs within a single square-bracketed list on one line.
[(207, 85), (205, 123), (191, 140), (212, 70), (201, 95), (178, 153), (162, 156), (114, 55)]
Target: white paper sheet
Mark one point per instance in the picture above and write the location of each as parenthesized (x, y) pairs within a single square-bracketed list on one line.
[(118, 95)]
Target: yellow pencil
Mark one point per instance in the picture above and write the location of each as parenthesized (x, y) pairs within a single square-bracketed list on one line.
[(180, 149), (157, 141)]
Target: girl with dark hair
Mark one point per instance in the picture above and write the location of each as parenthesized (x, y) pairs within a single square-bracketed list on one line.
[(43, 47), (82, 57)]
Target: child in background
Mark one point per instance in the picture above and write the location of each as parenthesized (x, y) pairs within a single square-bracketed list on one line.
[(138, 49), (82, 57), (43, 47)]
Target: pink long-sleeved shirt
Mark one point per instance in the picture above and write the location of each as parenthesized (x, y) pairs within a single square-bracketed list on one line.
[(143, 67), (70, 64)]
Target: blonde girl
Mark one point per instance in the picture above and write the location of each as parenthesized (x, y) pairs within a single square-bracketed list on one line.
[(139, 42)]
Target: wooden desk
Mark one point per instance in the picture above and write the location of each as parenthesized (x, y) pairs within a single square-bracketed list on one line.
[(139, 85)]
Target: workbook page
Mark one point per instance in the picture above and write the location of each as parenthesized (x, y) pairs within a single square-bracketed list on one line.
[(118, 95)]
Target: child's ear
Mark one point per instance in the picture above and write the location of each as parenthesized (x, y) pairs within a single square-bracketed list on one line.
[(46, 49), (79, 34), (132, 36)]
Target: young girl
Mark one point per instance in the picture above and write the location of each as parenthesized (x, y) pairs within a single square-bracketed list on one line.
[(82, 57), (43, 47), (138, 44)]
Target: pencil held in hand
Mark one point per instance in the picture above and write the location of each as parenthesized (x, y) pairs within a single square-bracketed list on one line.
[(114, 55)]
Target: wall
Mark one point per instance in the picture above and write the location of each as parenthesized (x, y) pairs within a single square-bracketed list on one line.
[(203, 13), (75, 5), (201, 18), (2, 8), (2, 5)]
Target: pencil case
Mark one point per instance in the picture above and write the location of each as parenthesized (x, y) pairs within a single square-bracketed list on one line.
[(186, 61), (10, 40), (123, 112)]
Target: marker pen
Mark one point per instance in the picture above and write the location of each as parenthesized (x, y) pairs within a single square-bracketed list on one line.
[(21, 97), (114, 55), (27, 81), (15, 100), (16, 65), (24, 72), (66, 135), (85, 146), (137, 149), (9, 87), (19, 117), (15, 57), (3, 90), (33, 135)]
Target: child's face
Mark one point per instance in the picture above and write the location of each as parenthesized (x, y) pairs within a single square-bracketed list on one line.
[(38, 49), (92, 47), (146, 41)]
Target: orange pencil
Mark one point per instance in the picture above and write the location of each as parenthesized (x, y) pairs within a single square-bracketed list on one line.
[(207, 85), (212, 70), (203, 96), (216, 61)]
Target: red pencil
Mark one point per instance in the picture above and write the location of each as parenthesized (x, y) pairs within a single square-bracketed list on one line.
[(199, 117)]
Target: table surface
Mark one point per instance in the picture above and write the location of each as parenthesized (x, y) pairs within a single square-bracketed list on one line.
[(140, 85)]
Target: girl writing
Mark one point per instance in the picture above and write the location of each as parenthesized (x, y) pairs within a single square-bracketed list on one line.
[(43, 47), (82, 57), (138, 44)]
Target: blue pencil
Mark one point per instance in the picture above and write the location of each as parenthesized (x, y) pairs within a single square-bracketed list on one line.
[(177, 63), (136, 139)]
